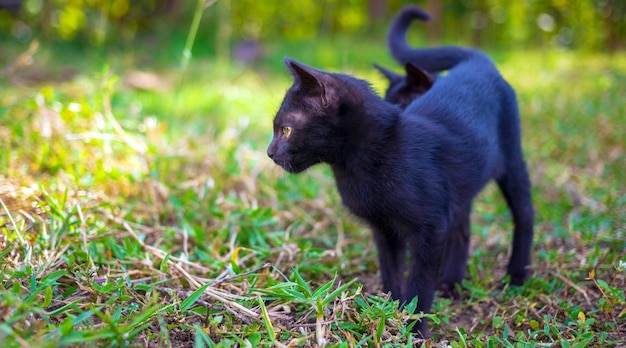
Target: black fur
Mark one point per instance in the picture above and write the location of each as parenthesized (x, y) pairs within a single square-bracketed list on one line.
[(412, 174), (430, 59), (403, 89), (437, 59), (421, 65)]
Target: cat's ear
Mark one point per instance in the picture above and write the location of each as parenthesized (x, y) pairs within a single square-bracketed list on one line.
[(417, 77), (309, 79), (390, 75)]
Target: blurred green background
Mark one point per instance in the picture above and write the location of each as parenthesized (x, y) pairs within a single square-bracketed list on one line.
[(596, 25), (590, 25), (70, 38)]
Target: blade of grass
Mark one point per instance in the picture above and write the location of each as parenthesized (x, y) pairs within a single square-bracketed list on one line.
[(189, 301), (268, 323), (15, 229), (186, 55)]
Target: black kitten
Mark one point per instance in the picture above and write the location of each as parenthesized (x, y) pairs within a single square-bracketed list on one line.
[(403, 89), (412, 174), (438, 59)]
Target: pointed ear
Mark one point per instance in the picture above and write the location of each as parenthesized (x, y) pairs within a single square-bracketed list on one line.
[(308, 79), (390, 75), (417, 77)]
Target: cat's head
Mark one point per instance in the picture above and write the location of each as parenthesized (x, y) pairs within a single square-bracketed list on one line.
[(403, 89), (308, 127)]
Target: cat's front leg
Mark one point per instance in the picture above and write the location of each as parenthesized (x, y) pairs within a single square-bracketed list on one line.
[(425, 249), (456, 254), (391, 256)]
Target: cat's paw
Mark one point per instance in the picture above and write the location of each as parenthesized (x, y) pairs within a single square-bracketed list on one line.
[(449, 290), (519, 276), (518, 279), (421, 328)]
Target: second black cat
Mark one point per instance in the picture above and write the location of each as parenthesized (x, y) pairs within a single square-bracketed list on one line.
[(403, 89)]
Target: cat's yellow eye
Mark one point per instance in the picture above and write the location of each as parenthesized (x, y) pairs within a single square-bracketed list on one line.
[(287, 131)]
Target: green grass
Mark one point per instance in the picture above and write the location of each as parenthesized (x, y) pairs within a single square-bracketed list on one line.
[(142, 217)]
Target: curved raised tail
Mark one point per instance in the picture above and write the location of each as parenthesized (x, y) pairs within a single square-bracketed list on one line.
[(430, 59)]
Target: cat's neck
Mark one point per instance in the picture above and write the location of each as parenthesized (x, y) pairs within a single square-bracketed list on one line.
[(371, 126)]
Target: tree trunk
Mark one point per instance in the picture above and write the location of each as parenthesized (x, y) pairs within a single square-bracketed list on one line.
[(611, 35), (480, 22), (377, 11), (224, 31), (434, 25)]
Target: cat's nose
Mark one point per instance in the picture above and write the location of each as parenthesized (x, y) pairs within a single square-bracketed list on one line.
[(270, 154)]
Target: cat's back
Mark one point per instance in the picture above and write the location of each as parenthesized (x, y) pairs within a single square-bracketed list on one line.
[(460, 117), (468, 100)]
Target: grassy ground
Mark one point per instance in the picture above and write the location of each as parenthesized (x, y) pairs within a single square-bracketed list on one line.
[(152, 217)]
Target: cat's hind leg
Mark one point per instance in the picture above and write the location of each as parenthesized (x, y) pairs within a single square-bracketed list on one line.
[(515, 186), (514, 183)]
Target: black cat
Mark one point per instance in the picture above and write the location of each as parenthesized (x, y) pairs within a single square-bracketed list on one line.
[(403, 89), (436, 60), (412, 174)]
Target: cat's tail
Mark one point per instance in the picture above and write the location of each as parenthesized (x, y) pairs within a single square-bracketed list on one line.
[(430, 59)]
